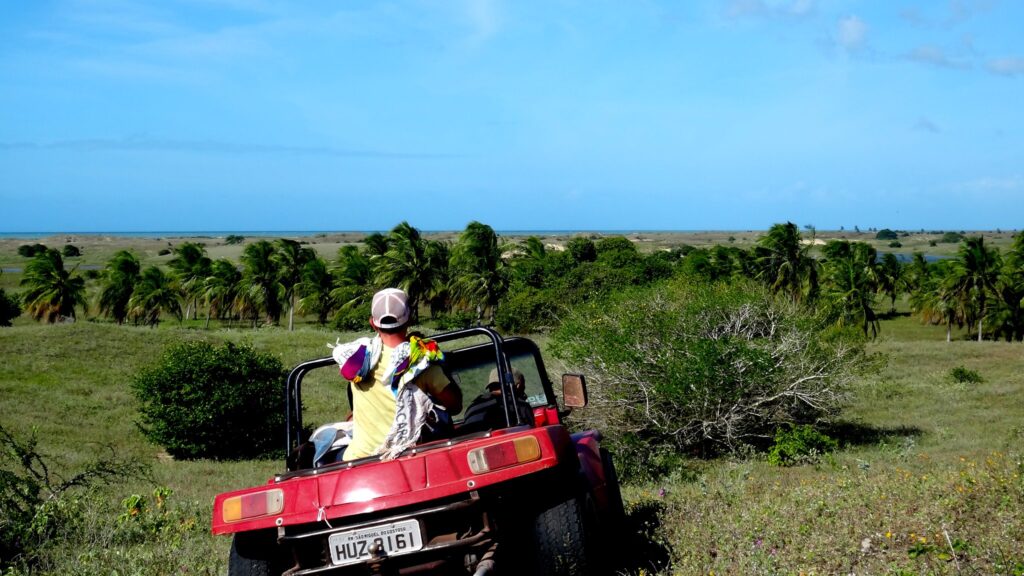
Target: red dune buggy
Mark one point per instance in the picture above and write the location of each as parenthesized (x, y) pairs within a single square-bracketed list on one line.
[(521, 495)]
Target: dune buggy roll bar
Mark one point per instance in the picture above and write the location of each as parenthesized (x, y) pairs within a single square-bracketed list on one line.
[(293, 384)]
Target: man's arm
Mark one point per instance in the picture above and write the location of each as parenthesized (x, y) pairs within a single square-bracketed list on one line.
[(451, 398)]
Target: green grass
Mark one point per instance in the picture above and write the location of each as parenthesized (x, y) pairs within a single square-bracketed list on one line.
[(922, 457)]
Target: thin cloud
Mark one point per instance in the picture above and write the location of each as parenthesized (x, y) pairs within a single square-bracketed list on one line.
[(992, 184), (925, 125), (769, 8), (956, 12), (147, 144), (1007, 66), (935, 56), (851, 34)]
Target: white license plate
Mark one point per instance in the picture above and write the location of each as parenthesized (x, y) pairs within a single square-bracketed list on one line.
[(395, 539)]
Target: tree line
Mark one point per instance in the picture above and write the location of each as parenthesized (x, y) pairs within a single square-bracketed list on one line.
[(527, 285)]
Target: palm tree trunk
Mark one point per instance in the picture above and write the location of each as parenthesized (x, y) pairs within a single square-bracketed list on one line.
[(980, 322), (291, 313), (949, 331), (208, 318)]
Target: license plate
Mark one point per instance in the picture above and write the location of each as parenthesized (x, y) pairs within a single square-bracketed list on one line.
[(395, 539)]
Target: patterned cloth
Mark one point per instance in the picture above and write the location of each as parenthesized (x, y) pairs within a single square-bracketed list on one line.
[(414, 408)]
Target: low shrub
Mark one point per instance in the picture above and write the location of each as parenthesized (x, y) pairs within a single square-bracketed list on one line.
[(10, 308), (705, 368), (455, 320), (226, 402), (964, 375), (38, 504), (799, 445)]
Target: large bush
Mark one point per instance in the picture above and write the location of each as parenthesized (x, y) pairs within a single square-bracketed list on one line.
[(696, 367), (201, 401), (10, 308)]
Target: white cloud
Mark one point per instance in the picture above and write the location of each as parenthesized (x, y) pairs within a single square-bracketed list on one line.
[(1007, 66), (1013, 183), (851, 33), (936, 57), (484, 16)]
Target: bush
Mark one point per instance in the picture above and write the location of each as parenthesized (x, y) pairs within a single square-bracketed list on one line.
[(205, 402), (886, 234), (352, 318), (234, 239), (963, 375), (799, 445), (30, 250), (705, 368), (71, 251), (10, 308), (951, 238), (895, 244), (164, 252), (36, 503), (454, 320)]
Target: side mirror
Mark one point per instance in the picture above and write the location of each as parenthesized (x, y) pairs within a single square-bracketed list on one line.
[(574, 390)]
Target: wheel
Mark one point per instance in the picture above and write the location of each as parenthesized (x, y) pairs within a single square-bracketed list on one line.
[(255, 554), (564, 539)]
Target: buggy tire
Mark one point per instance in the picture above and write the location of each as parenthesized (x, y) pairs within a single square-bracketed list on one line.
[(565, 540), (255, 554)]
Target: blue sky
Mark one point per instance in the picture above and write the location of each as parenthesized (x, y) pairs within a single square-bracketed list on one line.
[(123, 115)]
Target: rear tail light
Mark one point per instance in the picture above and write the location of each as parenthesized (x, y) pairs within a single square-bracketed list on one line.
[(510, 453), (265, 503)]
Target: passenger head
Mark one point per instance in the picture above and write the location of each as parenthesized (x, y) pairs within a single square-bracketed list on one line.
[(519, 381), (389, 312)]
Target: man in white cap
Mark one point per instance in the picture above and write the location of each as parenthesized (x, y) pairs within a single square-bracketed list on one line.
[(398, 389)]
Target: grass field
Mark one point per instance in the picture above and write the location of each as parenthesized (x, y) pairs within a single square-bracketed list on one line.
[(928, 481)]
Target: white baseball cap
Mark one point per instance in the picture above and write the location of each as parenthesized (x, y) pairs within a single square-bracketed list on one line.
[(390, 308)]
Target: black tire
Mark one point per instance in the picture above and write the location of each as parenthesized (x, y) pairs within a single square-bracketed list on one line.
[(564, 538), (255, 554)]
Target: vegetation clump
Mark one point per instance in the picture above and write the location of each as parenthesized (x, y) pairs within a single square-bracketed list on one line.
[(705, 368), (31, 250), (37, 503), (201, 401), (802, 444), (10, 308), (963, 375)]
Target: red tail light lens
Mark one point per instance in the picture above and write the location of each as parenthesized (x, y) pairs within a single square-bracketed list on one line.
[(265, 503), (503, 454)]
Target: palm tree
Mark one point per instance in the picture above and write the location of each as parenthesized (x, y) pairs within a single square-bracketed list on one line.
[(261, 288), (155, 293), (976, 272), (438, 254), (479, 278), (220, 288), (848, 292), (1010, 290), (404, 265), (353, 274), (291, 258), (937, 300), (53, 292), (190, 267), (376, 244), (315, 290), (785, 263), (121, 275), (890, 278)]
